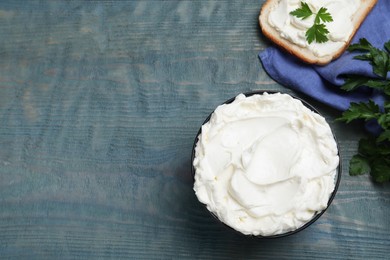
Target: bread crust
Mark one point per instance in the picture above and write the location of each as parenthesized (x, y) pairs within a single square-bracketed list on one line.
[(305, 54)]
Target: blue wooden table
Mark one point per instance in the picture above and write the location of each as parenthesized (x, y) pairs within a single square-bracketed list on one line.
[(100, 102)]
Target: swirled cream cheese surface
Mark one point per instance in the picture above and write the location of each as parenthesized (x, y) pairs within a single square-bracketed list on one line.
[(293, 29), (265, 164)]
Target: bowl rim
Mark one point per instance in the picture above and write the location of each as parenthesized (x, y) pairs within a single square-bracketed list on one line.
[(337, 177)]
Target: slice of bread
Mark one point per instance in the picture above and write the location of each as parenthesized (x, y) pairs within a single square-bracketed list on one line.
[(305, 54)]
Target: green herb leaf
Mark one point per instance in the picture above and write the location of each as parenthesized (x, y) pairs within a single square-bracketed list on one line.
[(384, 136), (370, 148), (387, 46), (323, 15), (374, 152), (363, 45), (387, 106), (303, 12), (371, 159), (380, 169), (384, 121), (359, 165), (380, 62), (317, 33), (360, 110), (354, 81), (366, 56), (367, 146), (377, 84)]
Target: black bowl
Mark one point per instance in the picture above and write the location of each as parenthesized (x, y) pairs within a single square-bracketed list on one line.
[(319, 213)]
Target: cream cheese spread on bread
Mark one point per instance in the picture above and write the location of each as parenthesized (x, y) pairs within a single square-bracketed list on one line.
[(293, 29), (265, 164)]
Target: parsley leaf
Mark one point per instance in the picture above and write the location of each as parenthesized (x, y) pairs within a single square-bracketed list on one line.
[(359, 165), (355, 81), (387, 47), (380, 62), (318, 32), (363, 45), (302, 12), (360, 110), (380, 169), (323, 15), (374, 152), (379, 59), (373, 158), (384, 136), (384, 120)]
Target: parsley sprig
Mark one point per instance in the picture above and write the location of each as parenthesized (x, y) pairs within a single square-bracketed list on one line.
[(373, 152), (318, 32)]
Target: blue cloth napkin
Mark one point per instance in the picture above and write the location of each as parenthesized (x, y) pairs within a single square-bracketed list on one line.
[(323, 82)]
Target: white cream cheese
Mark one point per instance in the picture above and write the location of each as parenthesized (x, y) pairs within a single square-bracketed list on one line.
[(265, 164), (293, 29)]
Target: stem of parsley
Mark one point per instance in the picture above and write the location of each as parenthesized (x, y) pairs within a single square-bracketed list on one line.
[(318, 32), (374, 152)]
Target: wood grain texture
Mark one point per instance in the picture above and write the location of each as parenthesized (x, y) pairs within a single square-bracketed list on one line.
[(100, 102)]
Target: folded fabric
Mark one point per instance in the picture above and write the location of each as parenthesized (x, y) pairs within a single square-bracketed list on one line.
[(323, 82)]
